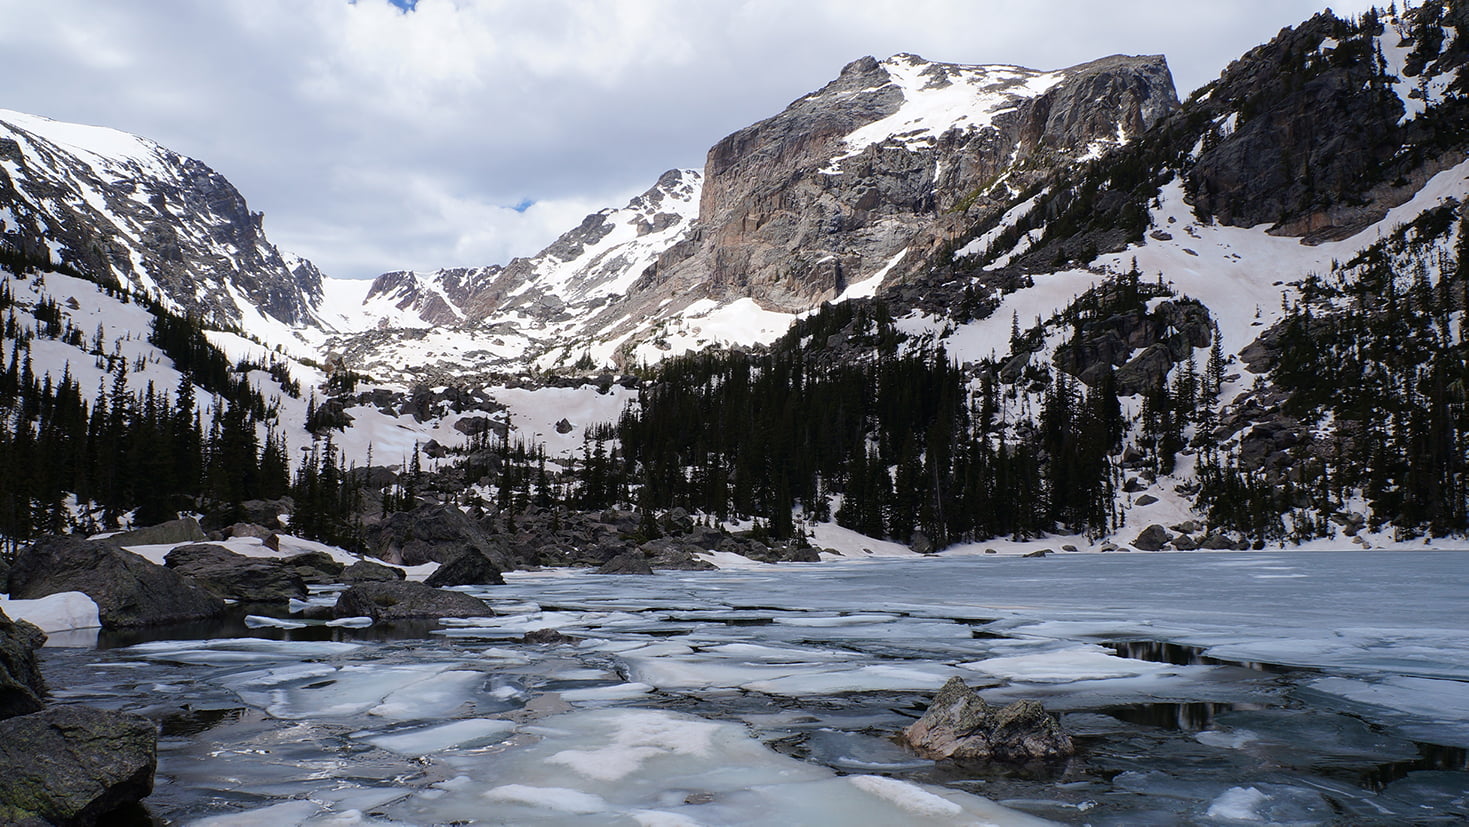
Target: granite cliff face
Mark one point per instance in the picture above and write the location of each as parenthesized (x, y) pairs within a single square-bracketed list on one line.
[(850, 187), (126, 211), (890, 156)]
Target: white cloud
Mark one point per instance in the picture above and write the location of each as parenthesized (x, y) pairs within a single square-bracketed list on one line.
[(375, 139)]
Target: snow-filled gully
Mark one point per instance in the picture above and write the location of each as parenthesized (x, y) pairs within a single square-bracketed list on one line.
[(1201, 688)]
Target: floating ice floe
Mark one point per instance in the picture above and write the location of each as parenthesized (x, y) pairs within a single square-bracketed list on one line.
[(453, 735)]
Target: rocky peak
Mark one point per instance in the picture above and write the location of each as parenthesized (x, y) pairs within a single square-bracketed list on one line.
[(127, 211), (861, 179)]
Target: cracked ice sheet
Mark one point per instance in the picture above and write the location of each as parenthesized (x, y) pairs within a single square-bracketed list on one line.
[(664, 768), (1425, 709)]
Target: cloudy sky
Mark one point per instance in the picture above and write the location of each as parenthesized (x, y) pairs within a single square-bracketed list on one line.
[(463, 132)]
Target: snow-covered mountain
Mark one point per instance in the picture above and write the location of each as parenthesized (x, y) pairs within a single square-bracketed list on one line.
[(124, 210), (848, 188)]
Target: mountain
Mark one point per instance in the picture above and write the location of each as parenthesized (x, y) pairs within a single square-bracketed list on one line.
[(848, 187), (946, 303), (128, 212)]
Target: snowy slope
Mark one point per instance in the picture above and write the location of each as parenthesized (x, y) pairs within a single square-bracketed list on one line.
[(125, 210)]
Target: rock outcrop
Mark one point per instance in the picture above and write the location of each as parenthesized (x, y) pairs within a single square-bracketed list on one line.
[(960, 725), (129, 212), (366, 571), (22, 689), (431, 534), (629, 563), (129, 591), (235, 576), (470, 568), (73, 765)]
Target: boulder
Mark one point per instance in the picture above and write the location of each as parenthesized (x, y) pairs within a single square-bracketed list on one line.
[(401, 600), (21, 685), (366, 571), (431, 533), (921, 544), (128, 590), (315, 567), (960, 725), (1214, 541), (248, 530), (1146, 499), (1153, 538), (235, 576), (186, 530), (629, 563), (468, 569), (74, 765), (1037, 553), (266, 512)]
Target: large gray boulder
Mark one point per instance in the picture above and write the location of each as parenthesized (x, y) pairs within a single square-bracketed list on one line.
[(73, 765), (402, 600), (468, 569), (128, 590), (315, 567), (21, 685), (960, 725), (235, 576), (1152, 538), (366, 571), (184, 530), (431, 534)]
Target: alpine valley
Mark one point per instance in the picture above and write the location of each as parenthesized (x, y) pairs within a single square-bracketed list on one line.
[(929, 311)]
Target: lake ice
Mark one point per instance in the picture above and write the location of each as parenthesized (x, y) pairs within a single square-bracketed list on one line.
[(1294, 688)]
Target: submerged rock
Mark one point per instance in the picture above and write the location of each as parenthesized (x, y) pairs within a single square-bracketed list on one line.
[(128, 590), (959, 724), (74, 765), (21, 686), (401, 600)]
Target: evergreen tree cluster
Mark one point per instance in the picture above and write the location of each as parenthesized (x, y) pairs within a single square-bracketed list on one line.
[(1376, 364), (898, 442), (74, 463)]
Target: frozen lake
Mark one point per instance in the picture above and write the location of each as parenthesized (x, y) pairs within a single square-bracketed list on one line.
[(1300, 688)]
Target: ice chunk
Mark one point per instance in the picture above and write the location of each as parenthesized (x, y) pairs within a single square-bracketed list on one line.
[(262, 622), (286, 813), (559, 799), (1239, 804), (454, 735), (618, 692), (861, 753), (907, 797), (1080, 663), (351, 622)]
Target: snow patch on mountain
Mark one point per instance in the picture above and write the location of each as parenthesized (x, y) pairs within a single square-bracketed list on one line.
[(939, 97)]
